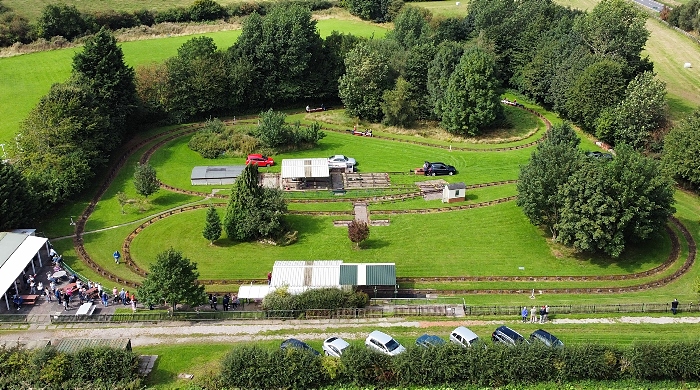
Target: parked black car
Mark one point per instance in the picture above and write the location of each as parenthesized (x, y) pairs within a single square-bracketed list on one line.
[(508, 336), (298, 344), (438, 168), (546, 338)]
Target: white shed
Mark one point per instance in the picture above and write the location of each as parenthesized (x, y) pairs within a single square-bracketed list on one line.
[(455, 192)]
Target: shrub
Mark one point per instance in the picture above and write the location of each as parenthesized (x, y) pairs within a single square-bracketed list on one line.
[(204, 10), (590, 361), (115, 20), (104, 365), (323, 298), (364, 367), (663, 361), (145, 17)]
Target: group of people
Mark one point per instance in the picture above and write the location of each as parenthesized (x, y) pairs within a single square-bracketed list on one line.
[(535, 315), (227, 301)]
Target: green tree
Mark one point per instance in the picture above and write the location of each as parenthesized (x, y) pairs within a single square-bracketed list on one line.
[(14, 28), (540, 182), (362, 86), (439, 72), (601, 85), (415, 72), (609, 205), (61, 20), (614, 29), (203, 10), (472, 100), (16, 200), (173, 279), (273, 131), (398, 106), (375, 10), (212, 227), (642, 111), (254, 212), (411, 27), (682, 148), (285, 53), (145, 180), (101, 67), (358, 231)]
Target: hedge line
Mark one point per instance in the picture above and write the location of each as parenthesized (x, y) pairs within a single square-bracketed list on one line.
[(497, 365), (88, 369)]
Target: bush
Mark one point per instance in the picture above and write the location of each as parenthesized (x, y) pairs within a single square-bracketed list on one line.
[(364, 367), (115, 20), (205, 10), (323, 298), (663, 361), (104, 365)]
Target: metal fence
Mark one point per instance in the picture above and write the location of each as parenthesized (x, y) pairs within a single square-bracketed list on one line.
[(583, 309), (428, 300), (220, 315)]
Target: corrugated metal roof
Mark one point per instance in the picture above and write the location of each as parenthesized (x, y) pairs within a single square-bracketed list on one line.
[(348, 274), (216, 172), (457, 186), (254, 291), (75, 345), (380, 275), (315, 274), (305, 168)]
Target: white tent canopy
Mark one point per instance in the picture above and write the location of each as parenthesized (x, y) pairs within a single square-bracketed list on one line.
[(17, 251)]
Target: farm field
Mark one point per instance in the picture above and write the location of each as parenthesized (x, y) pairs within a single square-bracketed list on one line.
[(22, 89)]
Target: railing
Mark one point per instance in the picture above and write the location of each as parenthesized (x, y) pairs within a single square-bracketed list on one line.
[(220, 315), (583, 309), (428, 300)]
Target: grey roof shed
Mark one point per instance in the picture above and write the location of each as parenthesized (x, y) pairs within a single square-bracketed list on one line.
[(215, 175)]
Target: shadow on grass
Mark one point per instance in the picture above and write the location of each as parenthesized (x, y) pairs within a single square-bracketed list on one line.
[(374, 244), (636, 258)]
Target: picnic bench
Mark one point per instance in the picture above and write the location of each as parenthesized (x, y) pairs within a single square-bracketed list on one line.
[(29, 299)]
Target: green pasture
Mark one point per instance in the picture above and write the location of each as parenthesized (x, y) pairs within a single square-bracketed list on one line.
[(494, 240), (26, 78)]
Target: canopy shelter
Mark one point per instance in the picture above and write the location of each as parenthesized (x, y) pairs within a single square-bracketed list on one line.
[(299, 276), (17, 252), (215, 175)]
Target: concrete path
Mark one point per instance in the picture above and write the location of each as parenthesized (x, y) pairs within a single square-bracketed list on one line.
[(229, 331), (361, 212)]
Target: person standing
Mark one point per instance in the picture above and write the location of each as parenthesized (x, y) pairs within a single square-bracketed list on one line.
[(546, 313), (524, 313), (214, 302), (674, 306), (117, 256), (226, 301), (542, 315), (58, 296), (269, 278), (235, 301), (533, 314)]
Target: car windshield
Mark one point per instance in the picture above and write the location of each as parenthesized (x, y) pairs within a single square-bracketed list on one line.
[(474, 341), (392, 345)]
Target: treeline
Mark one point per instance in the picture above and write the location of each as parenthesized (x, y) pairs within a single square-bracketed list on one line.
[(90, 368), (70, 23), (249, 366), (684, 16)]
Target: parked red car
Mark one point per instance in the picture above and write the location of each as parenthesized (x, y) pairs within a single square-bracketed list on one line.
[(259, 160)]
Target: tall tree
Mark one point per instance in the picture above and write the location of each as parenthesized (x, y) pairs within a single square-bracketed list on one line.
[(173, 279), (609, 205), (540, 182), (641, 112), (682, 148), (212, 227), (284, 49), (16, 200), (362, 86), (399, 106), (61, 20), (101, 66), (145, 180), (411, 27), (472, 99), (441, 68)]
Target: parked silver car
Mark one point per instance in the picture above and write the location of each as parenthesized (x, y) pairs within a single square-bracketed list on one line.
[(334, 346), (341, 161), (383, 343), (464, 337)]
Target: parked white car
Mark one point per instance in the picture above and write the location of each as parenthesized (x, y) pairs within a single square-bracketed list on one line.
[(334, 346), (464, 337), (383, 343), (340, 161)]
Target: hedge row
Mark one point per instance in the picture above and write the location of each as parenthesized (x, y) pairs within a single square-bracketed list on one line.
[(326, 298), (90, 368), (497, 365)]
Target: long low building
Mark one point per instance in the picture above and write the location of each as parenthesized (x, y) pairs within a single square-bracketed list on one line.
[(18, 251), (299, 276), (215, 175)]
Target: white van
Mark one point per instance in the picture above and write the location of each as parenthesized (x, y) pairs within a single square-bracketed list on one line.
[(463, 337)]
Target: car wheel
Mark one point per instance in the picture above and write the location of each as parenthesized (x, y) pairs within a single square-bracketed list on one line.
[(451, 173), (433, 173)]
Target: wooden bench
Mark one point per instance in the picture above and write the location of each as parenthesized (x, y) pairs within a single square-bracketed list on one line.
[(29, 299)]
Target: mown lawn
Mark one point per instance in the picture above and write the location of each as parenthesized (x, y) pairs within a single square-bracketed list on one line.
[(494, 240)]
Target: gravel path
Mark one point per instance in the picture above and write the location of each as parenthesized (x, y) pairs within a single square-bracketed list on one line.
[(181, 332)]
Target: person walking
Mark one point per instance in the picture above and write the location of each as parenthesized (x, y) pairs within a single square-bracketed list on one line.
[(674, 306), (524, 313)]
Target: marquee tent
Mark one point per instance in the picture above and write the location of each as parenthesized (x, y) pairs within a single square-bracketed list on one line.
[(17, 251)]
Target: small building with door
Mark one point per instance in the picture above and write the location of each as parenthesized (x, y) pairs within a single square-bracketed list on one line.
[(455, 192)]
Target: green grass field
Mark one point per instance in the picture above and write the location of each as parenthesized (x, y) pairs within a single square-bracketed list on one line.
[(22, 89)]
